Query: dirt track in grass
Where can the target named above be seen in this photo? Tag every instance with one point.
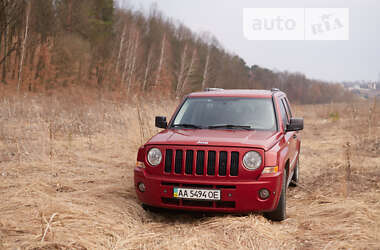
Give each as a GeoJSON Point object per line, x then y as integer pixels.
{"type": "Point", "coordinates": [66, 182]}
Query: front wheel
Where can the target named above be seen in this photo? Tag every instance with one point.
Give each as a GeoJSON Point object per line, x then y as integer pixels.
{"type": "Point", "coordinates": [279, 214]}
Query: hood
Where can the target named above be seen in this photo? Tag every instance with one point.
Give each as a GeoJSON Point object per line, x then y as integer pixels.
{"type": "Point", "coordinates": [217, 137]}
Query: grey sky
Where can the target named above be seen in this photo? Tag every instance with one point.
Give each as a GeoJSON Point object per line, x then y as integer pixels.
{"type": "Point", "coordinates": [356, 59]}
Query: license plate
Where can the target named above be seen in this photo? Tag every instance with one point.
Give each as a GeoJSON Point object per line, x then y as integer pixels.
{"type": "Point", "coordinates": [196, 194]}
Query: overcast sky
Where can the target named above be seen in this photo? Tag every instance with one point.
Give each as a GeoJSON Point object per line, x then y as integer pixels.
{"type": "Point", "coordinates": [355, 59]}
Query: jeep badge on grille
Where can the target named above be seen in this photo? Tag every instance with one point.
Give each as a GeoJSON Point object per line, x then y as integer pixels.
{"type": "Point", "coordinates": [202, 142]}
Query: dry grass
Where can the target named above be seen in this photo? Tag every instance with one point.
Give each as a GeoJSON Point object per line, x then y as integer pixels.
{"type": "Point", "coordinates": [66, 181]}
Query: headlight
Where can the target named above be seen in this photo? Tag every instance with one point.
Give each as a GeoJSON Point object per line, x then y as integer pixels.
{"type": "Point", "coordinates": [154, 156]}
{"type": "Point", "coordinates": [252, 160]}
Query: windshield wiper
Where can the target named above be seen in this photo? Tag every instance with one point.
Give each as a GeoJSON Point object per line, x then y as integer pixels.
{"type": "Point", "coordinates": [186, 125]}
{"type": "Point", "coordinates": [247, 127]}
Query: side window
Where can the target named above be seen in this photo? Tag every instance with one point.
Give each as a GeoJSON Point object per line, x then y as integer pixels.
{"type": "Point", "coordinates": [288, 107]}
{"type": "Point", "coordinates": [284, 114]}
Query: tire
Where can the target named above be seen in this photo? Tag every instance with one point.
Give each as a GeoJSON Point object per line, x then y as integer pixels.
{"type": "Point", "coordinates": [296, 173]}
{"type": "Point", "coordinates": [279, 214]}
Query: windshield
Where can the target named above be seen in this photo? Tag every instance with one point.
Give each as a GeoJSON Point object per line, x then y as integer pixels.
{"type": "Point", "coordinates": [226, 113]}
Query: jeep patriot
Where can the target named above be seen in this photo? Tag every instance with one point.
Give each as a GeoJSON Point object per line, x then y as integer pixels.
{"type": "Point", "coordinates": [233, 151]}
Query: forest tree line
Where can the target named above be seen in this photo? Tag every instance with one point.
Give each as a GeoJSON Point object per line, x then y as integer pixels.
{"type": "Point", "coordinates": [47, 44]}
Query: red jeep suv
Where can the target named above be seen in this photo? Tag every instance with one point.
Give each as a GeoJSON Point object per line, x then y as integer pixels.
{"type": "Point", "coordinates": [223, 151]}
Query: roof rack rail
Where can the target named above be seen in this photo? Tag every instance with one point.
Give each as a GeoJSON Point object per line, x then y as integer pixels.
{"type": "Point", "coordinates": [213, 89]}
{"type": "Point", "coordinates": [274, 89]}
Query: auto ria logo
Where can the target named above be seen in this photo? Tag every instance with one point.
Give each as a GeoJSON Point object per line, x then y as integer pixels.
{"type": "Point", "coordinates": [296, 23]}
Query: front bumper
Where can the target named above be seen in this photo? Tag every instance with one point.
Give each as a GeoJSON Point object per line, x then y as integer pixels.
{"type": "Point", "coordinates": [236, 197]}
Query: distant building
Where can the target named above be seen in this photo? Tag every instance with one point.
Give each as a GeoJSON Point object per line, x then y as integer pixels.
{"type": "Point", "coordinates": [340, 85]}
{"type": "Point", "coordinates": [372, 85]}
{"type": "Point", "coordinates": [355, 88]}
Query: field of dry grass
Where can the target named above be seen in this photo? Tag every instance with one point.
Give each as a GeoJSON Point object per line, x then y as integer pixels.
{"type": "Point", "coordinates": [66, 181]}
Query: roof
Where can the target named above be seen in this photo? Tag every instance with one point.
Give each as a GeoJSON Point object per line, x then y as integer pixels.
{"type": "Point", "coordinates": [235, 93]}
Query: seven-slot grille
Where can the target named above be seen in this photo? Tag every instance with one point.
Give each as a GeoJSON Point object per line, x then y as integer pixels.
{"type": "Point", "coordinates": [202, 162]}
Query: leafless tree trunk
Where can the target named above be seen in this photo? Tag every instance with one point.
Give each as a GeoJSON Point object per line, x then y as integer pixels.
{"type": "Point", "coordinates": [126, 64]}
{"type": "Point", "coordinates": [69, 16]}
{"type": "Point", "coordinates": [6, 31]}
{"type": "Point", "coordinates": [5, 57]}
{"type": "Point", "coordinates": [121, 48]}
{"type": "Point", "coordinates": [190, 71]}
{"type": "Point", "coordinates": [23, 46]}
{"type": "Point", "coordinates": [16, 60]}
{"type": "Point", "coordinates": [147, 68]}
{"type": "Point", "coordinates": [134, 56]}
{"type": "Point", "coordinates": [205, 73]}
{"type": "Point", "coordinates": [161, 61]}
{"type": "Point", "coordinates": [181, 71]}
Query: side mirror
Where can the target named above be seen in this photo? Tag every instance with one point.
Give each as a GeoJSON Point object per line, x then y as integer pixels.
{"type": "Point", "coordinates": [295, 124]}
{"type": "Point", "coordinates": [161, 122]}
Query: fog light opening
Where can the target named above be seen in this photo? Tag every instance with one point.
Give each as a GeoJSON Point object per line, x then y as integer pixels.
{"type": "Point", "coordinates": [264, 193]}
{"type": "Point", "coordinates": [141, 187]}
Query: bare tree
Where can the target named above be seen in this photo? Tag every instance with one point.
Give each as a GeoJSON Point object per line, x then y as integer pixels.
{"type": "Point", "coordinates": [147, 68]}
{"type": "Point", "coordinates": [6, 31]}
{"type": "Point", "coordinates": [134, 57]}
{"type": "Point", "coordinates": [182, 69]}
{"type": "Point", "coordinates": [10, 11]}
{"type": "Point", "coordinates": [70, 15]}
{"type": "Point", "coordinates": [205, 72]}
{"type": "Point", "coordinates": [162, 55]}
{"type": "Point", "coordinates": [190, 71]}
{"type": "Point", "coordinates": [126, 63]}
{"type": "Point", "coordinates": [121, 47]}
{"type": "Point", "coordinates": [23, 46]}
